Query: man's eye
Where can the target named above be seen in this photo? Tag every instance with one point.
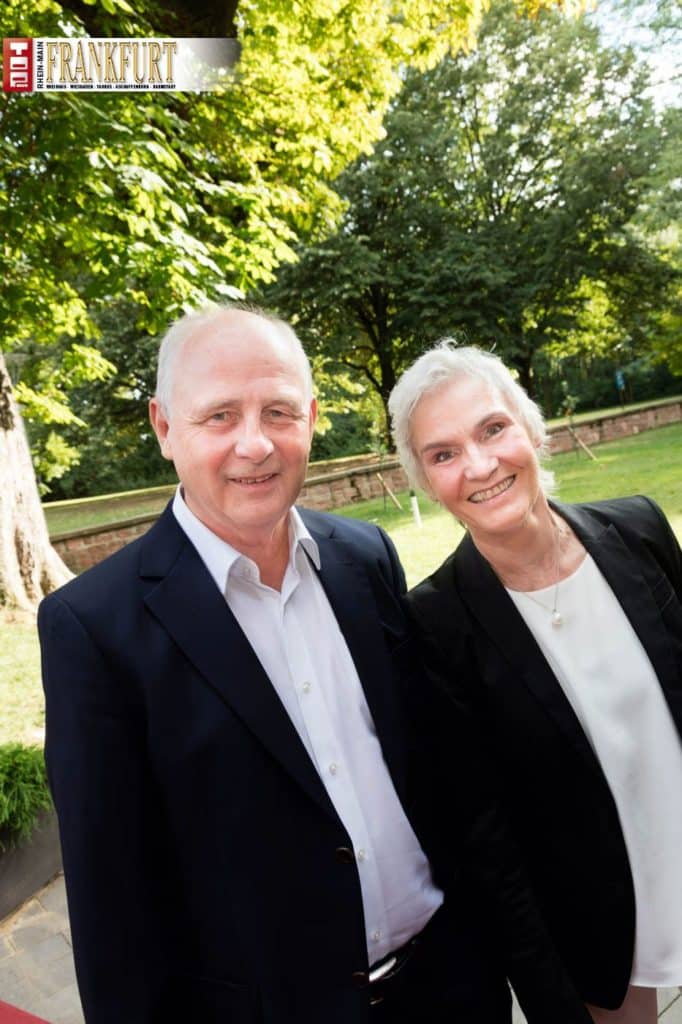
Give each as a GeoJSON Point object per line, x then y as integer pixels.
{"type": "Point", "coordinates": [218, 417]}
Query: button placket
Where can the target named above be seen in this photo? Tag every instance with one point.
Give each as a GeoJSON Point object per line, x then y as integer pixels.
{"type": "Point", "coordinates": [311, 700]}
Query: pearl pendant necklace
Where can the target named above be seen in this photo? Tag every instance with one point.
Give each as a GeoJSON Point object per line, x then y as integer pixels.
{"type": "Point", "coordinates": [557, 618]}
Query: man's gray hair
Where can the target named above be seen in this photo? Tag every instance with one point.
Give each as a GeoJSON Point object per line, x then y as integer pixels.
{"type": "Point", "coordinates": [197, 321]}
{"type": "Point", "coordinates": [448, 361]}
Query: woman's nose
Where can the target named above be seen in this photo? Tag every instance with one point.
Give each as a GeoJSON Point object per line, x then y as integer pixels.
{"type": "Point", "coordinates": [479, 464]}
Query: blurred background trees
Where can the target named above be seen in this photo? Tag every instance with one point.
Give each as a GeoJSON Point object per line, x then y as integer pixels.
{"type": "Point", "coordinates": [381, 175]}
{"type": "Point", "coordinates": [525, 198]}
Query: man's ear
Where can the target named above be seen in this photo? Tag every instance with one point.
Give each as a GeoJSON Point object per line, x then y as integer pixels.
{"type": "Point", "coordinates": [313, 414]}
{"type": "Point", "coordinates": [159, 422]}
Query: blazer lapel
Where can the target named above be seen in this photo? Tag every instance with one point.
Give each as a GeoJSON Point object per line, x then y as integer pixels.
{"type": "Point", "coordinates": [362, 624]}
{"type": "Point", "coordinates": [624, 572]}
{"type": "Point", "coordinates": [190, 607]}
{"type": "Point", "coordinates": [496, 613]}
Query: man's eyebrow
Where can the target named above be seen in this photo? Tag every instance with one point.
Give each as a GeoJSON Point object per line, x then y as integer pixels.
{"type": "Point", "coordinates": [235, 403]}
{"type": "Point", "coordinates": [214, 405]}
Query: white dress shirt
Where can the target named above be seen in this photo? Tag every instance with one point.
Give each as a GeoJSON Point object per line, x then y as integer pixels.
{"type": "Point", "coordinates": [606, 675]}
{"type": "Point", "coordinates": [297, 640]}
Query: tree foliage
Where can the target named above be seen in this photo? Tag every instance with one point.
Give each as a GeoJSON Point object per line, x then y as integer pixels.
{"type": "Point", "coordinates": [170, 198]}
{"type": "Point", "coordinates": [173, 199]}
{"type": "Point", "coordinates": [498, 206]}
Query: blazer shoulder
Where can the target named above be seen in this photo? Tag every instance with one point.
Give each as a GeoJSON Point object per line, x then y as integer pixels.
{"type": "Point", "coordinates": [628, 513]}
{"type": "Point", "coordinates": [426, 600]}
{"type": "Point", "coordinates": [638, 518]}
{"type": "Point", "coordinates": [365, 540]}
{"type": "Point", "coordinates": [642, 525]}
{"type": "Point", "coordinates": [111, 580]}
{"type": "Point", "coordinates": [341, 526]}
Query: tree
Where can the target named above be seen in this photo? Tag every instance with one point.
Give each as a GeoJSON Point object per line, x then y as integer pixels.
{"type": "Point", "coordinates": [29, 567]}
{"type": "Point", "coordinates": [506, 183]}
{"type": "Point", "coordinates": [173, 199]}
{"type": "Point", "coordinates": [659, 220]}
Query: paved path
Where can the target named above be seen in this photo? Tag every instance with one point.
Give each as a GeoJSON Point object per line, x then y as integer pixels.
{"type": "Point", "coordinates": [36, 962]}
{"type": "Point", "coordinates": [36, 965]}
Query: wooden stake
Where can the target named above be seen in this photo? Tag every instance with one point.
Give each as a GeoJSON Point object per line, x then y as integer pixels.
{"type": "Point", "coordinates": [582, 444]}
{"type": "Point", "coordinates": [389, 492]}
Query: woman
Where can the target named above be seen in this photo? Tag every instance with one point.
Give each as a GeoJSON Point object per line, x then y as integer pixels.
{"type": "Point", "coordinates": [560, 628]}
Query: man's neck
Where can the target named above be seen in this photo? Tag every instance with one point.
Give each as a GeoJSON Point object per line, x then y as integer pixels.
{"type": "Point", "coordinates": [273, 559]}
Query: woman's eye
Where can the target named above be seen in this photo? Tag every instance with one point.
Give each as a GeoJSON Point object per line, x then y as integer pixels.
{"type": "Point", "coordinates": [442, 456]}
{"type": "Point", "coordinates": [493, 428]}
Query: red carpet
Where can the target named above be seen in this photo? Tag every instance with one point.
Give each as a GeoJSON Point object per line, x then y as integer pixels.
{"type": "Point", "coordinates": [10, 1015]}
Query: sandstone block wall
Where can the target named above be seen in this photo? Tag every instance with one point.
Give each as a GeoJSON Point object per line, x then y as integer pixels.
{"type": "Point", "coordinates": [340, 482]}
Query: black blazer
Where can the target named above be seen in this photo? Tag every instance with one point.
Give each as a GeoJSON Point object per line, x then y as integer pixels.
{"type": "Point", "coordinates": [481, 654]}
{"type": "Point", "coordinates": [208, 874]}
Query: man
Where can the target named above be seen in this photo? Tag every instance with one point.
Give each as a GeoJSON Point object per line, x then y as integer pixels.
{"type": "Point", "coordinates": [226, 738]}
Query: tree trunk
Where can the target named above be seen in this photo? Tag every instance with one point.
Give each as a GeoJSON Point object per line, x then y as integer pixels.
{"type": "Point", "coordinates": [29, 566]}
{"type": "Point", "coordinates": [523, 363]}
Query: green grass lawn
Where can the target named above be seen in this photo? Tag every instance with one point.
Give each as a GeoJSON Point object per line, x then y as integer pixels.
{"type": "Point", "coordinates": [649, 463]}
{"type": "Point", "coordinates": [21, 695]}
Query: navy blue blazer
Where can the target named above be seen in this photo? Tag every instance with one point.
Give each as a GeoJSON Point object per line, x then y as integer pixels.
{"type": "Point", "coordinates": [487, 669]}
{"type": "Point", "coordinates": [207, 872]}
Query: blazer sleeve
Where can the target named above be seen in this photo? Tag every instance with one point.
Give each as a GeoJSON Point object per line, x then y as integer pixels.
{"type": "Point", "coordinates": [397, 573]}
{"type": "Point", "coordinates": [476, 825]}
{"type": "Point", "coordinates": [101, 785]}
{"type": "Point", "coordinates": [664, 544]}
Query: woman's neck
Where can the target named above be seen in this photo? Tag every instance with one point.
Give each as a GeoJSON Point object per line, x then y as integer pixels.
{"type": "Point", "coordinates": [536, 554]}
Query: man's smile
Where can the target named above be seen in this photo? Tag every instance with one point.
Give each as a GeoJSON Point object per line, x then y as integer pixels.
{"type": "Point", "coordinates": [252, 480]}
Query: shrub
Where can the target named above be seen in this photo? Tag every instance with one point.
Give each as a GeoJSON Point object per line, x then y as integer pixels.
{"type": "Point", "coordinates": [23, 791]}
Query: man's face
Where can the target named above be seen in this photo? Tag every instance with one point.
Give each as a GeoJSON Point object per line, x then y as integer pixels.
{"type": "Point", "coordinates": [239, 427]}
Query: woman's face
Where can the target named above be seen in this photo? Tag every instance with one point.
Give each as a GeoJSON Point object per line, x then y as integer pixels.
{"type": "Point", "coordinates": [476, 456]}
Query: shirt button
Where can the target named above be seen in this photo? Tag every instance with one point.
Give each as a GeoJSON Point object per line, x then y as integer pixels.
{"type": "Point", "coordinates": [333, 768]}
{"type": "Point", "coordinates": [361, 855]}
{"type": "Point", "coordinates": [376, 935]}
{"type": "Point", "coordinates": [306, 687]}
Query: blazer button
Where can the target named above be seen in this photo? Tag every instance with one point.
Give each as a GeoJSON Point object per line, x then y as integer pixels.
{"type": "Point", "coordinates": [360, 979]}
{"type": "Point", "coordinates": [344, 855]}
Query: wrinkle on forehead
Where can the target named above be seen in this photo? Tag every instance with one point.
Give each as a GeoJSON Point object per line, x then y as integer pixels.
{"type": "Point", "coordinates": [260, 348]}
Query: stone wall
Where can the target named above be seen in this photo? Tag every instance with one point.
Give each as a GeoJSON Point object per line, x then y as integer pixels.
{"type": "Point", "coordinates": [340, 482]}
{"type": "Point", "coordinates": [615, 426]}
{"type": "Point", "coordinates": [83, 548]}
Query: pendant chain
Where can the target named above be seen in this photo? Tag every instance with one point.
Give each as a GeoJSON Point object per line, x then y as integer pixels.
{"type": "Point", "coordinates": [557, 617]}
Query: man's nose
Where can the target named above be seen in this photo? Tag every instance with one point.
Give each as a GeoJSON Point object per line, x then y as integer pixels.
{"type": "Point", "coordinates": [252, 442]}
{"type": "Point", "coordinates": [479, 464]}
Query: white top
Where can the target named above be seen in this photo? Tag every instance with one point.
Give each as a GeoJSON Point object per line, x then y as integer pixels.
{"type": "Point", "coordinates": [610, 682]}
{"type": "Point", "coordinates": [296, 638]}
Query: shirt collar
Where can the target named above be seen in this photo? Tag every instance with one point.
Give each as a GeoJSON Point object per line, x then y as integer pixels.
{"type": "Point", "coordinates": [219, 557]}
